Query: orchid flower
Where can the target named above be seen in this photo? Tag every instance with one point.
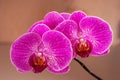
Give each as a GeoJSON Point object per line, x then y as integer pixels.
{"type": "Point", "coordinates": [57, 39]}
{"type": "Point", "coordinates": [89, 35]}
{"type": "Point", "coordinates": [40, 49]}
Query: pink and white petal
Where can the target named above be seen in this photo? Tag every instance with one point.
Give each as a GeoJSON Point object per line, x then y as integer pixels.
{"type": "Point", "coordinates": [63, 71]}
{"type": "Point", "coordinates": [65, 15]}
{"type": "Point", "coordinates": [40, 29]}
{"type": "Point", "coordinates": [52, 19]}
{"type": "Point", "coordinates": [98, 32]}
{"type": "Point", "coordinates": [36, 23]}
{"type": "Point", "coordinates": [58, 49]}
{"type": "Point", "coordinates": [22, 49]}
{"type": "Point", "coordinates": [77, 16]}
{"type": "Point", "coordinates": [68, 28]}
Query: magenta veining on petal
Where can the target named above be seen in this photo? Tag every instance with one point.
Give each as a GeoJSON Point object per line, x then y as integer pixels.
{"type": "Point", "coordinates": [62, 36]}
{"type": "Point", "coordinates": [32, 52]}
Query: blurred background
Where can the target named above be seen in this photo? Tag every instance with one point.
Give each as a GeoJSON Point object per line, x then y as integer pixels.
{"type": "Point", "coordinates": [16, 16]}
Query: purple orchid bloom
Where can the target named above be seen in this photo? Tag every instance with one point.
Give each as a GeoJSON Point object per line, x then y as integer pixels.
{"type": "Point", "coordinates": [42, 48]}
{"type": "Point", "coordinates": [89, 35]}
{"type": "Point", "coordinates": [53, 42]}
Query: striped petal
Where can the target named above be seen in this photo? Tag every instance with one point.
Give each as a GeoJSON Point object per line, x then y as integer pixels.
{"type": "Point", "coordinates": [22, 49]}
{"type": "Point", "coordinates": [40, 29]}
{"type": "Point", "coordinates": [98, 32]}
{"type": "Point", "coordinates": [68, 28]}
{"type": "Point", "coordinates": [65, 15]}
{"type": "Point", "coordinates": [77, 16]}
{"type": "Point", "coordinates": [39, 22]}
{"type": "Point", "coordinates": [63, 71]}
{"type": "Point", "coordinates": [58, 50]}
{"type": "Point", "coordinates": [52, 19]}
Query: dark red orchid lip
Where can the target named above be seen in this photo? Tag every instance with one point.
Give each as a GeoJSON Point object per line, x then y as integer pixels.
{"type": "Point", "coordinates": [83, 48]}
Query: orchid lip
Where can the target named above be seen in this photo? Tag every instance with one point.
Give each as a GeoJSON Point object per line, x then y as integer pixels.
{"type": "Point", "coordinates": [38, 62]}
{"type": "Point", "coordinates": [83, 48]}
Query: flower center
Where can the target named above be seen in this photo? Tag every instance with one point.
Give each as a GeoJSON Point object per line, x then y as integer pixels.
{"type": "Point", "coordinates": [38, 62]}
{"type": "Point", "coordinates": [83, 48]}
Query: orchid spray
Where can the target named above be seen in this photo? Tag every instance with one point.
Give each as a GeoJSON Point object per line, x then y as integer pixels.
{"type": "Point", "coordinates": [52, 43]}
